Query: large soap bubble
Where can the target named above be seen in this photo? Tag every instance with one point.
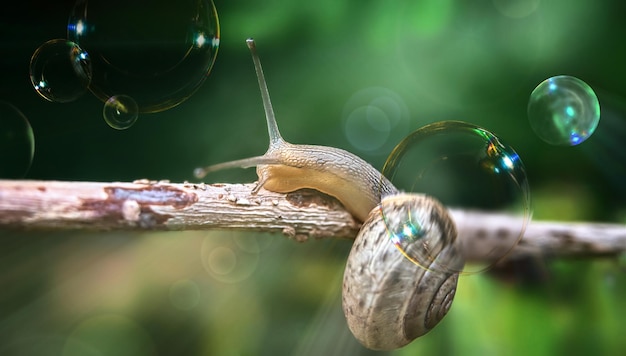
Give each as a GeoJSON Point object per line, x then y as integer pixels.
{"type": "Point", "coordinates": [465, 167]}
{"type": "Point", "coordinates": [157, 52]}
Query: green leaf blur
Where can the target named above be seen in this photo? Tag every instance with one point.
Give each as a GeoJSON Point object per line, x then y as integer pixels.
{"type": "Point", "coordinates": [229, 293]}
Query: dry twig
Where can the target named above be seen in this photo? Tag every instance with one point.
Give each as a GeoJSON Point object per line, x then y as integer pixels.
{"type": "Point", "coordinates": [148, 205]}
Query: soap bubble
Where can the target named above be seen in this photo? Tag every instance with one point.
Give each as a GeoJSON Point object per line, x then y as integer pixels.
{"type": "Point", "coordinates": [120, 112]}
{"type": "Point", "coordinates": [157, 52]}
{"type": "Point", "coordinates": [468, 169]}
{"type": "Point", "coordinates": [17, 142]}
{"type": "Point", "coordinates": [563, 110]}
{"type": "Point", "coordinates": [60, 71]}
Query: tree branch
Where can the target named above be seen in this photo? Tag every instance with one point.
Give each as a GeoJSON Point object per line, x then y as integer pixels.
{"type": "Point", "coordinates": [149, 205]}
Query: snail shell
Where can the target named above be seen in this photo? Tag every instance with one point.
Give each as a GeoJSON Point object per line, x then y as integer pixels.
{"type": "Point", "coordinates": [387, 299]}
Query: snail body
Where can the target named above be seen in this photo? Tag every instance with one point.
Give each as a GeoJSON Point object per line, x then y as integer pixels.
{"type": "Point", "coordinates": [287, 167]}
{"type": "Point", "coordinates": [388, 300]}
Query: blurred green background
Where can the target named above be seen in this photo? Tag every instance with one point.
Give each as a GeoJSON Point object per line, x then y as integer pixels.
{"type": "Point", "coordinates": [227, 293]}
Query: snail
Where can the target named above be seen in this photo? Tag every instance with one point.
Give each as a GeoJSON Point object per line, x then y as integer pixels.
{"type": "Point", "coordinates": [388, 300]}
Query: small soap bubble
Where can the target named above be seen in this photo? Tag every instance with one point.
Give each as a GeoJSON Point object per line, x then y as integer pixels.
{"type": "Point", "coordinates": [157, 52]}
{"type": "Point", "coordinates": [563, 110]}
{"type": "Point", "coordinates": [466, 168]}
{"type": "Point", "coordinates": [60, 71]}
{"type": "Point", "coordinates": [120, 112]}
{"type": "Point", "coordinates": [17, 142]}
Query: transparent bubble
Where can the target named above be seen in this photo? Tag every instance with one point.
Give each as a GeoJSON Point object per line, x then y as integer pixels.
{"type": "Point", "coordinates": [157, 52]}
{"type": "Point", "coordinates": [17, 142]}
{"type": "Point", "coordinates": [120, 112]}
{"type": "Point", "coordinates": [563, 110]}
{"type": "Point", "coordinates": [60, 71]}
{"type": "Point", "coordinates": [469, 170]}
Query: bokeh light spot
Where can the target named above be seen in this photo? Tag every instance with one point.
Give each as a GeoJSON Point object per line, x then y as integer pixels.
{"type": "Point", "coordinates": [225, 260]}
{"type": "Point", "coordinates": [222, 260]}
{"type": "Point", "coordinates": [374, 119]}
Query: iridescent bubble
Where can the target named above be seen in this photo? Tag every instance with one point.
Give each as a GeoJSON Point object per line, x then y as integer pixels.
{"type": "Point", "coordinates": [17, 142]}
{"type": "Point", "coordinates": [563, 110]}
{"type": "Point", "coordinates": [60, 71]}
{"type": "Point", "coordinates": [159, 52]}
{"type": "Point", "coordinates": [120, 112]}
{"type": "Point", "coordinates": [469, 170]}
